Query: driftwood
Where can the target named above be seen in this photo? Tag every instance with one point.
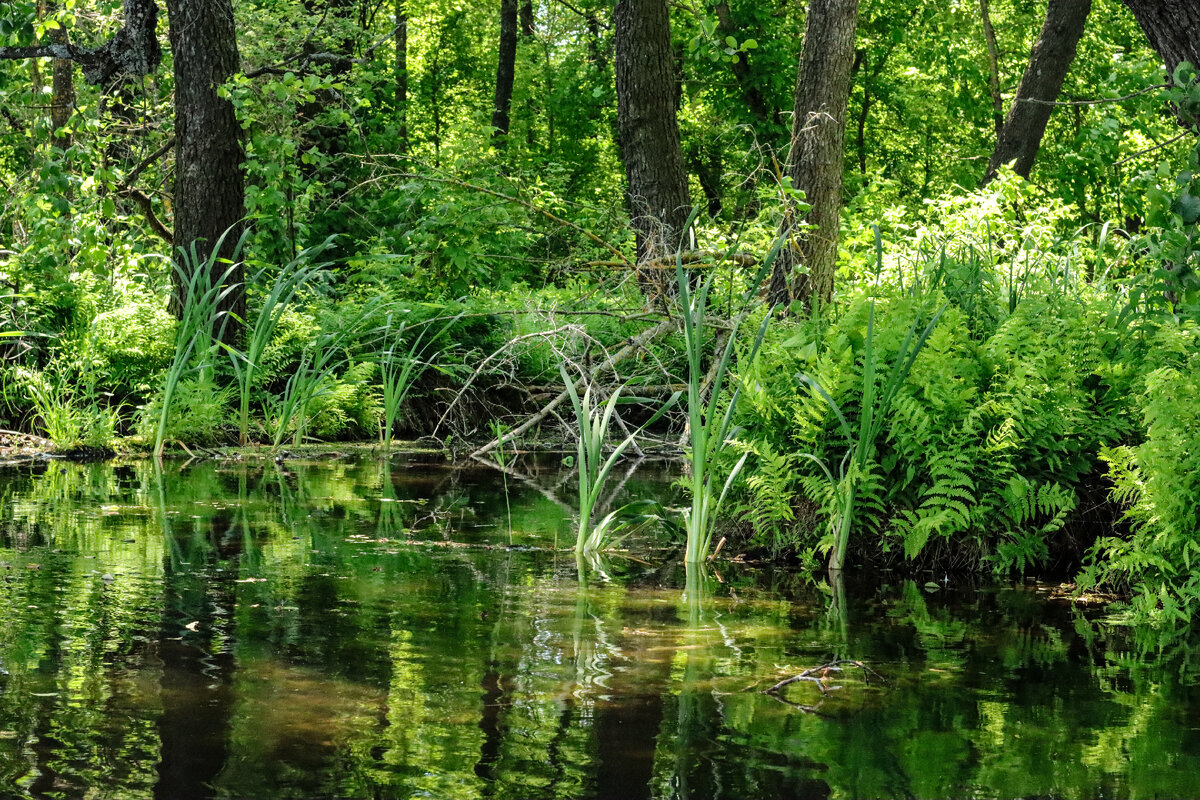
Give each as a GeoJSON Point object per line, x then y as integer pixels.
{"type": "Point", "coordinates": [817, 675]}
{"type": "Point", "coordinates": [632, 346]}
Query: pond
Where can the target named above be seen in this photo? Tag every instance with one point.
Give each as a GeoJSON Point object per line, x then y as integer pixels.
{"type": "Point", "coordinates": [404, 628]}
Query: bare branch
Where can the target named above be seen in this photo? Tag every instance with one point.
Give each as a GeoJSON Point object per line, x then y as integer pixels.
{"type": "Point", "coordinates": [133, 51]}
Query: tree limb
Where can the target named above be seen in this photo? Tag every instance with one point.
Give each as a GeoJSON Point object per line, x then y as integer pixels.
{"type": "Point", "coordinates": [631, 347]}
{"type": "Point", "coordinates": [143, 200]}
{"type": "Point", "coordinates": [132, 52]}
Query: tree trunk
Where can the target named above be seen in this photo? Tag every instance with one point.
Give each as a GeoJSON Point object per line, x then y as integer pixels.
{"type": "Point", "coordinates": [756, 101]}
{"type": "Point", "coordinates": [657, 188]}
{"type": "Point", "coordinates": [817, 150]}
{"type": "Point", "coordinates": [527, 18]}
{"type": "Point", "coordinates": [62, 98]}
{"type": "Point", "coordinates": [505, 71]}
{"type": "Point", "coordinates": [402, 72]}
{"type": "Point", "coordinates": [1049, 63]}
{"type": "Point", "coordinates": [1173, 28]}
{"type": "Point", "coordinates": [209, 179]}
{"type": "Point", "coordinates": [993, 55]}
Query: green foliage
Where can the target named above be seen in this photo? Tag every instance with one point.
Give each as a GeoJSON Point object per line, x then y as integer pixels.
{"type": "Point", "coordinates": [1159, 482]}
{"type": "Point", "coordinates": [990, 434]}
{"type": "Point", "coordinates": [67, 406]}
{"type": "Point", "coordinates": [711, 428]}
{"type": "Point", "coordinates": [131, 344]}
{"type": "Point", "coordinates": [199, 412]}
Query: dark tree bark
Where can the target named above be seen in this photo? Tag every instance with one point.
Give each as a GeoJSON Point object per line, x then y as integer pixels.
{"type": "Point", "coordinates": [817, 150]}
{"type": "Point", "coordinates": [505, 71]}
{"type": "Point", "coordinates": [647, 126]}
{"type": "Point", "coordinates": [402, 72]}
{"type": "Point", "coordinates": [209, 177]}
{"type": "Point", "coordinates": [1173, 28]}
{"type": "Point", "coordinates": [1049, 62]}
{"type": "Point", "coordinates": [527, 18]}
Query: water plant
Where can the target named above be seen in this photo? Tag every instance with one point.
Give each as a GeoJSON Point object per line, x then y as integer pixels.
{"type": "Point", "coordinates": [709, 430]}
{"type": "Point", "coordinates": [246, 363]}
{"type": "Point", "coordinates": [199, 321]}
{"type": "Point", "coordinates": [592, 423]}
{"type": "Point", "coordinates": [400, 366]}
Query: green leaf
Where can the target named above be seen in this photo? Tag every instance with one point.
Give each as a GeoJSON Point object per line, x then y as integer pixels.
{"type": "Point", "coordinates": [732, 42]}
{"type": "Point", "coordinates": [1188, 208]}
{"type": "Point", "coordinates": [749, 44]}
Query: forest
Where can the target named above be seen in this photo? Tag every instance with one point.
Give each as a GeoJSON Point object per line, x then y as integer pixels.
{"type": "Point", "coordinates": [911, 284]}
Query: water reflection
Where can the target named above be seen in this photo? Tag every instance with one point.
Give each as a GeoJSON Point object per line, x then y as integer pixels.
{"type": "Point", "coordinates": [367, 630]}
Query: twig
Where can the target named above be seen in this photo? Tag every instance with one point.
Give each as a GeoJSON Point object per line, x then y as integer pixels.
{"type": "Point", "coordinates": [147, 161]}
{"type": "Point", "coordinates": [479, 369]}
{"type": "Point", "coordinates": [668, 262]}
{"type": "Point", "coordinates": [634, 344]}
{"type": "Point", "coordinates": [1101, 101]}
{"type": "Point", "coordinates": [811, 675]}
{"type": "Point", "coordinates": [1151, 149]}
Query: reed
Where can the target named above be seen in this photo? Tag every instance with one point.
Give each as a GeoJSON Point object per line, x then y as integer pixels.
{"type": "Point", "coordinates": [246, 364]}
{"type": "Point", "coordinates": [592, 423]}
{"type": "Point", "coordinates": [199, 322]}
{"type": "Point", "coordinates": [709, 430]}
{"type": "Point", "coordinates": [400, 367]}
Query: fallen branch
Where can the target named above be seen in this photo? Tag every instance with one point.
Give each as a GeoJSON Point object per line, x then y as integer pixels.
{"type": "Point", "coordinates": [479, 369]}
{"type": "Point", "coordinates": [632, 346]}
{"type": "Point", "coordinates": [688, 257]}
{"type": "Point", "coordinates": [817, 675]}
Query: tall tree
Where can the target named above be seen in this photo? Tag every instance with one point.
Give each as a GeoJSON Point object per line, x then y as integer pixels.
{"type": "Point", "coordinates": [1021, 135]}
{"type": "Point", "coordinates": [817, 150]}
{"type": "Point", "coordinates": [209, 177]}
{"type": "Point", "coordinates": [1173, 28]}
{"type": "Point", "coordinates": [505, 70]}
{"type": "Point", "coordinates": [647, 126]}
{"type": "Point", "coordinates": [62, 98]}
{"type": "Point", "coordinates": [402, 72]}
{"type": "Point", "coordinates": [527, 18]}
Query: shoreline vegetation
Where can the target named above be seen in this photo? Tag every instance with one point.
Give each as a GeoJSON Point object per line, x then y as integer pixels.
{"type": "Point", "coordinates": [600, 229]}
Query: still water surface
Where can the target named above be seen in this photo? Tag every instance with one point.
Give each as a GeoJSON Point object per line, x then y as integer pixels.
{"type": "Point", "coordinates": [397, 629]}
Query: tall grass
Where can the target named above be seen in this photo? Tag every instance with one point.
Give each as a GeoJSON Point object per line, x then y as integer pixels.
{"type": "Point", "coordinates": [316, 376]}
{"type": "Point", "coordinates": [246, 363]}
{"type": "Point", "coordinates": [70, 411]}
{"type": "Point", "coordinates": [709, 430]}
{"type": "Point", "coordinates": [199, 323]}
{"type": "Point", "coordinates": [592, 425]}
{"type": "Point", "coordinates": [400, 366]}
